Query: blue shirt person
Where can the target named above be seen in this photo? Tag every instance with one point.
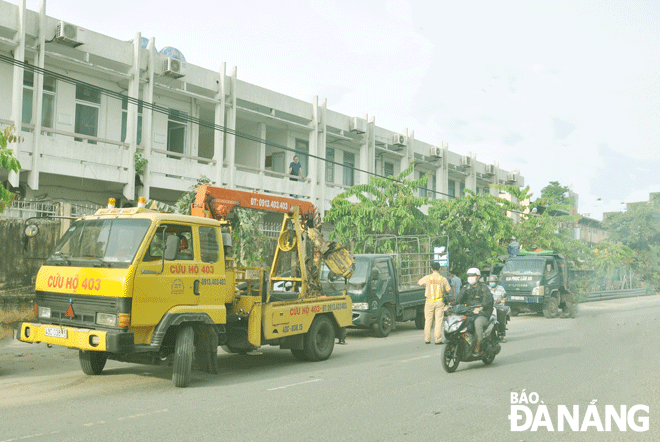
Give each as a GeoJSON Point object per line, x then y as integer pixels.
{"type": "Point", "coordinates": [455, 283]}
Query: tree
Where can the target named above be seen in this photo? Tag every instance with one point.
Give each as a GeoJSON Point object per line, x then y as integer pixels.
{"type": "Point", "coordinates": [554, 194]}
{"type": "Point", "coordinates": [8, 162]}
{"type": "Point", "coordinates": [384, 206]}
{"type": "Point", "coordinates": [477, 227]}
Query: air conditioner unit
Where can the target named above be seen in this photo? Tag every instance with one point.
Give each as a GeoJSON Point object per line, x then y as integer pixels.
{"type": "Point", "coordinates": [358, 125]}
{"type": "Point", "coordinates": [436, 152]}
{"type": "Point", "coordinates": [399, 141]}
{"type": "Point", "coordinates": [490, 170]}
{"type": "Point", "coordinates": [511, 177]}
{"type": "Point", "coordinates": [466, 161]}
{"type": "Point", "coordinates": [68, 34]}
{"type": "Point", "coordinates": [172, 67]}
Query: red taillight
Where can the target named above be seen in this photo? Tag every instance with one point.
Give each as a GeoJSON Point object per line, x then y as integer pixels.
{"type": "Point", "coordinates": [36, 310]}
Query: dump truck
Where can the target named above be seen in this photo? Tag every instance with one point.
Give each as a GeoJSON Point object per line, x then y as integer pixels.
{"type": "Point", "coordinates": [137, 285]}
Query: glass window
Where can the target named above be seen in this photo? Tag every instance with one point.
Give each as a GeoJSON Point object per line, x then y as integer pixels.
{"type": "Point", "coordinates": [177, 128]}
{"type": "Point", "coordinates": [48, 102]}
{"type": "Point", "coordinates": [462, 188]}
{"type": "Point", "coordinates": [88, 102]}
{"type": "Point", "coordinates": [349, 169]}
{"type": "Point", "coordinates": [422, 190]}
{"type": "Point", "coordinates": [329, 166]}
{"type": "Point", "coordinates": [302, 150]}
{"type": "Point", "coordinates": [208, 244]}
{"type": "Point", "coordinates": [451, 188]}
{"type": "Point", "coordinates": [389, 169]}
{"type": "Point", "coordinates": [124, 119]}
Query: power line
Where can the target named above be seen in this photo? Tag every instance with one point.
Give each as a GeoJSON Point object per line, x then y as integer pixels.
{"type": "Point", "coordinates": [182, 116]}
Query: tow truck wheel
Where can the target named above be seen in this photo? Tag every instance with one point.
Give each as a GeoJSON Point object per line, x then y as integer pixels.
{"type": "Point", "coordinates": [419, 319]}
{"type": "Point", "coordinates": [320, 339]}
{"type": "Point", "coordinates": [551, 308]}
{"type": "Point", "coordinates": [92, 362]}
{"type": "Point", "coordinates": [385, 323]}
{"type": "Point", "coordinates": [184, 349]}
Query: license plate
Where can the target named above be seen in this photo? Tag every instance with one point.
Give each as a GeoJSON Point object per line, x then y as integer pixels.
{"type": "Point", "coordinates": [517, 298]}
{"type": "Point", "coordinates": [55, 332]}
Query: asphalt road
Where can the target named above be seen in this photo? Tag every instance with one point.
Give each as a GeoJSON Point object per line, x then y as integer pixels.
{"type": "Point", "coordinates": [369, 390]}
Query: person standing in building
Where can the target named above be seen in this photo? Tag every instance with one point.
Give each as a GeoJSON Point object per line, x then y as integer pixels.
{"type": "Point", "coordinates": [455, 283]}
{"type": "Point", "coordinates": [437, 287]}
{"type": "Point", "coordinates": [295, 170]}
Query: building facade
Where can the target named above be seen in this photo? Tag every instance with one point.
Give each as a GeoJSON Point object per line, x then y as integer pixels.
{"type": "Point", "coordinates": [92, 109]}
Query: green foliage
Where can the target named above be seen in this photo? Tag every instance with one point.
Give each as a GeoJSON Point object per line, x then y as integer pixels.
{"type": "Point", "coordinates": [248, 241]}
{"type": "Point", "coordinates": [555, 194]}
{"type": "Point", "coordinates": [140, 162]}
{"type": "Point", "coordinates": [477, 226]}
{"type": "Point", "coordinates": [384, 206]}
{"type": "Point", "coordinates": [8, 162]}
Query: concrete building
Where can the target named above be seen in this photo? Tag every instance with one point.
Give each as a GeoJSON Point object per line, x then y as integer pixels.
{"type": "Point", "coordinates": [88, 105]}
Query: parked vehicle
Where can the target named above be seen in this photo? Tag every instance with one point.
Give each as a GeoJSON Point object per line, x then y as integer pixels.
{"type": "Point", "coordinates": [136, 285]}
{"type": "Point", "coordinates": [538, 282]}
{"type": "Point", "coordinates": [384, 287]}
{"type": "Point", "coordinates": [461, 340]}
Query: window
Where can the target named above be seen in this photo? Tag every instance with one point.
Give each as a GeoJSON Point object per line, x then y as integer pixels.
{"type": "Point", "coordinates": [124, 119]}
{"type": "Point", "coordinates": [462, 188]}
{"type": "Point", "coordinates": [177, 131]}
{"type": "Point", "coordinates": [88, 102]}
{"type": "Point", "coordinates": [48, 105]}
{"type": "Point", "coordinates": [302, 150]}
{"type": "Point", "coordinates": [208, 244]}
{"type": "Point", "coordinates": [349, 169]}
{"type": "Point", "coordinates": [330, 166]}
{"type": "Point", "coordinates": [422, 190]}
{"type": "Point", "coordinates": [433, 186]}
{"type": "Point", "coordinates": [451, 188]}
{"type": "Point", "coordinates": [389, 169]}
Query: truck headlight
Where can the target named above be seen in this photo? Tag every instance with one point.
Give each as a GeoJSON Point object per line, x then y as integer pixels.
{"type": "Point", "coordinates": [44, 312]}
{"type": "Point", "coordinates": [538, 291]}
{"type": "Point", "coordinates": [360, 306]}
{"type": "Point", "coordinates": [106, 319]}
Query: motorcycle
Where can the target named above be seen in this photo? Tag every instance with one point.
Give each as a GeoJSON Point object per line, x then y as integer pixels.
{"type": "Point", "coordinates": [461, 338]}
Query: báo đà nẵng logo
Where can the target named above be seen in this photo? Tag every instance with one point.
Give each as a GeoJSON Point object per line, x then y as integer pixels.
{"type": "Point", "coordinates": [529, 413]}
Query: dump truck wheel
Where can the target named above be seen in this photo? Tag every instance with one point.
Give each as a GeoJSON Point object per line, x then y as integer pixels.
{"type": "Point", "coordinates": [299, 354]}
{"type": "Point", "coordinates": [320, 339]}
{"type": "Point", "coordinates": [419, 319]}
{"type": "Point", "coordinates": [184, 349]}
{"type": "Point", "coordinates": [551, 308]}
{"type": "Point", "coordinates": [92, 362]}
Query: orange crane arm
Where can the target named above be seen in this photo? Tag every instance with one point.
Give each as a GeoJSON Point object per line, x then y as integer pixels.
{"type": "Point", "coordinates": [217, 202]}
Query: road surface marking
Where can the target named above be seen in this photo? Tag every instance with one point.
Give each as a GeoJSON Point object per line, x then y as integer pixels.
{"type": "Point", "coordinates": [421, 357]}
{"type": "Point", "coordinates": [293, 385]}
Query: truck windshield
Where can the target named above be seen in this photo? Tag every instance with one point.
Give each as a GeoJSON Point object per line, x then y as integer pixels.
{"type": "Point", "coordinates": [359, 275]}
{"type": "Point", "coordinates": [524, 266]}
{"type": "Point", "coordinates": [100, 243]}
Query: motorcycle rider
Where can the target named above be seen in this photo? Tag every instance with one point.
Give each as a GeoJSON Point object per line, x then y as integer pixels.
{"type": "Point", "coordinates": [476, 293]}
{"type": "Point", "coordinates": [499, 297]}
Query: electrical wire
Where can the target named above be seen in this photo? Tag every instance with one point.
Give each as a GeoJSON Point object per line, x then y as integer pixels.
{"type": "Point", "coordinates": [182, 116]}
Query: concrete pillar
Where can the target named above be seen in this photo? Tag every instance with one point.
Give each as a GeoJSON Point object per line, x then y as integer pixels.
{"type": "Point", "coordinates": [218, 135]}
{"type": "Point", "coordinates": [442, 173]}
{"type": "Point", "coordinates": [471, 178]}
{"type": "Point", "coordinates": [17, 88]}
{"type": "Point", "coordinates": [132, 117]}
{"type": "Point", "coordinates": [366, 160]}
{"type": "Point", "coordinates": [405, 159]}
{"type": "Point", "coordinates": [314, 172]}
{"type": "Point", "coordinates": [231, 138]}
{"type": "Point", "coordinates": [322, 151]}
{"type": "Point", "coordinates": [33, 175]}
{"type": "Point", "coordinates": [148, 117]}
{"type": "Point", "coordinates": [262, 134]}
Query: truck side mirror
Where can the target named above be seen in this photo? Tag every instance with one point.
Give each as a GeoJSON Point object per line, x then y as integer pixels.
{"type": "Point", "coordinates": [171, 247]}
{"type": "Point", "coordinates": [30, 232]}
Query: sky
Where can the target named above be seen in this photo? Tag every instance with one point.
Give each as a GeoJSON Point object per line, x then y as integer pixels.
{"type": "Point", "coordinates": [565, 91]}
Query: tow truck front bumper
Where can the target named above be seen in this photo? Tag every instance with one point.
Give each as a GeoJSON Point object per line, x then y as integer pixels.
{"type": "Point", "coordinates": [73, 337]}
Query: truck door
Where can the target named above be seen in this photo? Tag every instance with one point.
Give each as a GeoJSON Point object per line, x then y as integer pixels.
{"type": "Point", "coordinates": [551, 275]}
{"type": "Point", "coordinates": [160, 285]}
{"type": "Point", "coordinates": [212, 283]}
{"type": "Point", "coordinates": [384, 287]}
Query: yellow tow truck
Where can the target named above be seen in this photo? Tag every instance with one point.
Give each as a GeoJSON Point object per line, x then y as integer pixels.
{"type": "Point", "coordinates": [137, 285]}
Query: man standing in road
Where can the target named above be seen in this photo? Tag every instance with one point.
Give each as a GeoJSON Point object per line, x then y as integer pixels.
{"type": "Point", "coordinates": [477, 294]}
{"type": "Point", "coordinates": [455, 283]}
{"type": "Point", "coordinates": [437, 287]}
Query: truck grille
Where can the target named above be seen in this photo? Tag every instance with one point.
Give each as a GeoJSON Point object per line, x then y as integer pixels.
{"type": "Point", "coordinates": [84, 308]}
